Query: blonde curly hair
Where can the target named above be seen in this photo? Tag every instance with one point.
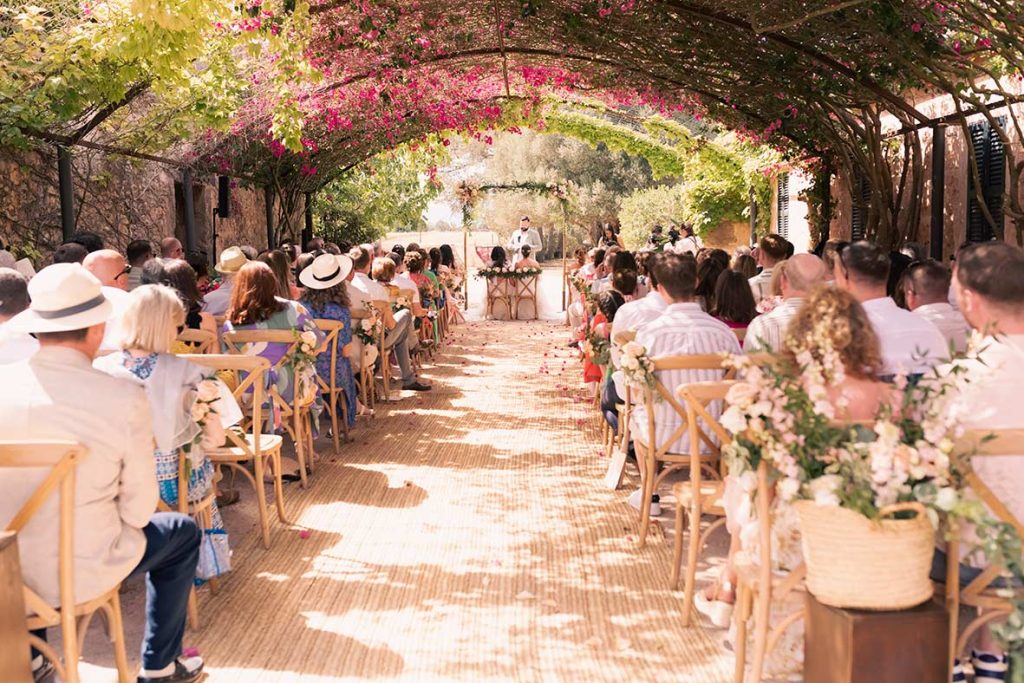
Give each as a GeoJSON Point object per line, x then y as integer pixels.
{"type": "Point", "coordinates": [832, 320]}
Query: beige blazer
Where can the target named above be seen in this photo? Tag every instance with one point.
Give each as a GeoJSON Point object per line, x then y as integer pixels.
{"type": "Point", "coordinates": [58, 395]}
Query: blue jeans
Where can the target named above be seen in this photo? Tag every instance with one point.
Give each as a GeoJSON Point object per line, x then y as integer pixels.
{"type": "Point", "coordinates": [169, 563]}
{"type": "Point", "coordinates": [967, 573]}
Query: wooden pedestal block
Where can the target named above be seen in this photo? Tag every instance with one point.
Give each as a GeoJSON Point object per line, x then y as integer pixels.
{"type": "Point", "coordinates": [855, 646]}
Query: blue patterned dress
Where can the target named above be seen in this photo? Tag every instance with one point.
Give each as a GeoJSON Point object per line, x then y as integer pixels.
{"type": "Point", "coordinates": [344, 377]}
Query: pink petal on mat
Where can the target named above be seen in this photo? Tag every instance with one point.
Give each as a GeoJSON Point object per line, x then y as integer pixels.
{"type": "Point", "coordinates": [305, 533]}
{"type": "Point", "coordinates": [190, 652]}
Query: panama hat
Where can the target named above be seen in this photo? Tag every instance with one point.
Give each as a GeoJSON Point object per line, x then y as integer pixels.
{"type": "Point", "coordinates": [231, 261]}
{"type": "Point", "coordinates": [325, 271]}
{"type": "Point", "coordinates": [65, 297]}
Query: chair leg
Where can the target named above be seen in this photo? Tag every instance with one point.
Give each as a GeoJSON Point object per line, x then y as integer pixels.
{"type": "Point", "coordinates": [116, 626]}
{"type": "Point", "coordinates": [741, 614]}
{"type": "Point", "coordinates": [645, 503]}
{"type": "Point", "coordinates": [193, 609]}
{"type": "Point", "coordinates": [677, 550]}
{"type": "Point", "coordinates": [762, 612]}
{"type": "Point", "coordinates": [261, 497]}
{"type": "Point", "coordinates": [691, 563]}
{"type": "Point", "coordinates": [275, 462]}
{"type": "Point", "coordinates": [300, 446]}
{"type": "Point", "coordinates": [307, 423]}
{"type": "Point", "coordinates": [334, 421]}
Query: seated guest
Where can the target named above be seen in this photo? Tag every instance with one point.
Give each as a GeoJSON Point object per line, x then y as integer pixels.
{"type": "Point", "coordinates": [771, 249]}
{"type": "Point", "coordinates": [90, 240]}
{"type": "Point", "coordinates": [734, 302]}
{"type": "Point", "coordinates": [279, 263]}
{"type": "Point", "coordinates": [708, 271]}
{"type": "Point", "coordinates": [600, 325]}
{"type": "Point", "coordinates": [527, 261]}
{"type": "Point", "coordinates": [988, 280]}
{"type": "Point", "coordinates": [110, 269]}
{"type": "Point", "coordinates": [230, 262]}
{"type": "Point", "coordinates": [401, 279]}
{"type": "Point", "coordinates": [910, 344]}
{"type": "Point", "coordinates": [14, 346]}
{"type": "Point", "coordinates": [801, 275]}
{"type": "Point", "coordinates": [498, 257]}
{"type": "Point", "coordinates": [633, 314]}
{"type": "Point", "coordinates": [70, 252]}
{"type": "Point", "coordinates": [137, 253]}
{"type": "Point", "coordinates": [179, 276]}
{"type": "Point", "coordinates": [200, 263]}
{"type": "Point", "coordinates": [683, 329]}
{"type": "Point", "coordinates": [326, 298]}
{"type": "Point", "coordinates": [745, 264]}
{"type": "Point", "coordinates": [61, 396]}
{"type": "Point", "coordinates": [147, 331]}
{"type": "Point", "coordinates": [170, 247]}
{"type": "Point", "coordinates": [399, 332]}
{"type": "Point", "coordinates": [829, 321]}
{"type": "Point", "coordinates": [925, 290]}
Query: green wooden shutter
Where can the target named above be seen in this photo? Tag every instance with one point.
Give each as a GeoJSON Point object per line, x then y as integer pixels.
{"type": "Point", "coordinates": [991, 158]}
{"type": "Point", "coordinates": [782, 205]}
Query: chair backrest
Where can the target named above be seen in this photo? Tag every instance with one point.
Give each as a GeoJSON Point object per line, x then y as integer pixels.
{"type": "Point", "coordinates": [527, 287]}
{"type": "Point", "coordinates": [409, 294]}
{"type": "Point", "coordinates": [697, 397]}
{"type": "Point", "coordinates": [61, 457]}
{"type": "Point", "coordinates": [331, 330]}
{"type": "Point", "coordinates": [199, 341]}
{"type": "Point", "coordinates": [660, 392]}
{"type": "Point", "coordinates": [984, 443]}
{"type": "Point", "coordinates": [249, 373]}
{"type": "Point", "coordinates": [238, 341]}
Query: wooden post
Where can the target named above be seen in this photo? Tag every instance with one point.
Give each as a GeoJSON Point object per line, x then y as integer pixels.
{"type": "Point", "coordinates": [465, 267]}
{"type": "Point", "coordinates": [67, 192]}
{"type": "Point", "coordinates": [825, 187]}
{"type": "Point", "coordinates": [307, 232]}
{"type": "Point", "coordinates": [753, 215]}
{"type": "Point", "coordinates": [938, 199]}
{"type": "Point", "coordinates": [190, 210]}
{"type": "Point", "coordinates": [268, 196]}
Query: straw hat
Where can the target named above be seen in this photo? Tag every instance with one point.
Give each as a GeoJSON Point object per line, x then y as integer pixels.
{"type": "Point", "coordinates": [231, 261]}
{"type": "Point", "coordinates": [326, 271]}
{"type": "Point", "coordinates": [65, 297]}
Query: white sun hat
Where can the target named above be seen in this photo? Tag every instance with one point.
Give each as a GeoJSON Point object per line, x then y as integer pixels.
{"type": "Point", "coordinates": [231, 261]}
{"type": "Point", "coordinates": [65, 297]}
{"type": "Point", "coordinates": [325, 271]}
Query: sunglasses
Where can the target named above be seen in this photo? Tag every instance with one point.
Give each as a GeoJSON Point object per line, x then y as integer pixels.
{"type": "Point", "coordinates": [126, 271]}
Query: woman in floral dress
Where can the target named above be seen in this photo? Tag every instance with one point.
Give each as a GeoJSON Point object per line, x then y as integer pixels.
{"type": "Point", "coordinates": [190, 408]}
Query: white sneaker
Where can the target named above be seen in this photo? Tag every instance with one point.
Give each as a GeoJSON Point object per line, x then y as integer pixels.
{"type": "Point", "coordinates": [636, 496]}
{"type": "Point", "coordinates": [719, 612]}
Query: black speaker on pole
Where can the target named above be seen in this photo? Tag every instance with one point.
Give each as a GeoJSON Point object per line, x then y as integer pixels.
{"type": "Point", "coordinates": [224, 196]}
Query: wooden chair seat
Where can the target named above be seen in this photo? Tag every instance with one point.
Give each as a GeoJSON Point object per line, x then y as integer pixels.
{"type": "Point", "coordinates": [711, 493]}
{"type": "Point", "coordinates": [268, 443]}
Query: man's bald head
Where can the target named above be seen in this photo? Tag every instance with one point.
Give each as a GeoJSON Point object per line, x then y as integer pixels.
{"type": "Point", "coordinates": [109, 268]}
{"type": "Point", "coordinates": [803, 273]}
{"type": "Point", "coordinates": [170, 247]}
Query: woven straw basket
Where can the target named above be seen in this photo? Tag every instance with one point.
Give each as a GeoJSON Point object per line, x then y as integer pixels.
{"type": "Point", "coordinates": [858, 563]}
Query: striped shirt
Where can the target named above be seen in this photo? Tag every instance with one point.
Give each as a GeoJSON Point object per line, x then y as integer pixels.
{"type": "Point", "coordinates": [950, 322]}
{"type": "Point", "coordinates": [909, 343]}
{"type": "Point", "coordinates": [683, 329]}
{"type": "Point", "coordinates": [767, 332]}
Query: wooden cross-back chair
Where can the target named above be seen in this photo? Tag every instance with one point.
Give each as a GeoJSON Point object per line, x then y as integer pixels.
{"type": "Point", "coordinates": [651, 454]}
{"type": "Point", "coordinates": [297, 417]}
{"type": "Point", "coordinates": [383, 354]}
{"type": "Point", "coordinates": [409, 294]}
{"type": "Point", "coordinates": [329, 386]}
{"type": "Point", "coordinates": [696, 497]}
{"type": "Point", "coordinates": [199, 341]}
{"type": "Point", "coordinates": [62, 457]}
{"type": "Point", "coordinates": [985, 592]}
{"type": "Point", "coordinates": [758, 588]}
{"type": "Point", "coordinates": [498, 293]}
{"type": "Point", "coordinates": [526, 290]}
{"type": "Point", "coordinates": [364, 378]}
{"type": "Point", "coordinates": [252, 446]}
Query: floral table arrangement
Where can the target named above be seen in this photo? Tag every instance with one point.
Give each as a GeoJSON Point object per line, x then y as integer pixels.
{"type": "Point", "coordinates": [508, 273]}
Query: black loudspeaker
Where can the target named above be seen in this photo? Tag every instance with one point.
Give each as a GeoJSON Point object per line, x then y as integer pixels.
{"type": "Point", "coordinates": [223, 196]}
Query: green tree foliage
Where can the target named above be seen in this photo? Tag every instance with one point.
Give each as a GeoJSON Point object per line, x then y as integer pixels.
{"type": "Point", "coordinates": [387, 193]}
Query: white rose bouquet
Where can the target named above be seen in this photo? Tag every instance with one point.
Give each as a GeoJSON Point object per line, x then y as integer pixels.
{"type": "Point", "coordinates": [368, 330]}
{"type": "Point", "coordinates": [203, 413]}
{"type": "Point", "coordinates": [401, 303]}
{"type": "Point", "coordinates": [637, 367]}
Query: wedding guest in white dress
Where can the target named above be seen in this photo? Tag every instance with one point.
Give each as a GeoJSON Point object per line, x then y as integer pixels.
{"type": "Point", "coordinates": [925, 288]}
{"type": "Point", "coordinates": [771, 250]}
{"type": "Point", "coordinates": [910, 343]}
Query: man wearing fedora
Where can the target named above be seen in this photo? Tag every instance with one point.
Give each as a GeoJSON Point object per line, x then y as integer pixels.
{"type": "Point", "coordinates": [117, 533]}
{"type": "Point", "coordinates": [230, 262]}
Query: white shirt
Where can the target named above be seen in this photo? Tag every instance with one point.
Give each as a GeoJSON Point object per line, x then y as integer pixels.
{"type": "Point", "coordinates": [688, 245]}
{"type": "Point", "coordinates": [909, 343]}
{"type": "Point", "coordinates": [218, 300]}
{"type": "Point", "coordinates": [759, 284]}
{"type": "Point", "coordinates": [120, 299]}
{"type": "Point", "coordinates": [767, 332]}
{"type": "Point", "coordinates": [683, 329]}
{"type": "Point", "coordinates": [403, 281]}
{"type": "Point", "coordinates": [991, 400]}
{"type": "Point", "coordinates": [363, 290]}
{"type": "Point", "coordinates": [950, 322]}
{"type": "Point", "coordinates": [634, 315]}
{"type": "Point", "coordinates": [16, 346]}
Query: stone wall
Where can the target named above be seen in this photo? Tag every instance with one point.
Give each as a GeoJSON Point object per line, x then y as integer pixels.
{"type": "Point", "coordinates": [120, 199]}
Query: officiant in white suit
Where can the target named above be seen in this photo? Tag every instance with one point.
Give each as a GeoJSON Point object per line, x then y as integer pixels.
{"type": "Point", "coordinates": [525, 235]}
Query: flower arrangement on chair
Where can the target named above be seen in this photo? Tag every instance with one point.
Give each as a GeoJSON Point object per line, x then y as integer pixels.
{"type": "Point", "coordinates": [637, 366]}
{"type": "Point", "coordinates": [369, 329]}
